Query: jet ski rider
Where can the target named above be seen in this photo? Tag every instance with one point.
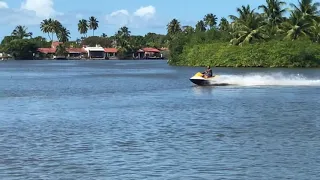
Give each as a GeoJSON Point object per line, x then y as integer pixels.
{"type": "Point", "coordinates": [207, 73]}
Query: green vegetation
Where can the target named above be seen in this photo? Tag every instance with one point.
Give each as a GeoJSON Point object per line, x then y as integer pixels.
{"type": "Point", "coordinates": [274, 37]}
{"type": "Point", "coordinates": [251, 39]}
{"type": "Point", "coordinates": [21, 48]}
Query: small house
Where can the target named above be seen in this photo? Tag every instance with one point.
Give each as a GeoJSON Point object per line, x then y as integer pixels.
{"type": "Point", "coordinates": [111, 53]}
{"type": "Point", "coordinates": [76, 53]}
{"type": "Point", "coordinates": [95, 52]}
{"type": "Point", "coordinates": [148, 53]}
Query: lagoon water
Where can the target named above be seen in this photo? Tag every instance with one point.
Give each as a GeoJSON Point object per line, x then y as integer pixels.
{"type": "Point", "coordinates": [146, 120]}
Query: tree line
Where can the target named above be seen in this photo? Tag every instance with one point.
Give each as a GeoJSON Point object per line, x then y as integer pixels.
{"type": "Point", "coordinates": [250, 38]}
{"type": "Point", "coordinates": [265, 39]}
{"type": "Point", "coordinates": [22, 45]}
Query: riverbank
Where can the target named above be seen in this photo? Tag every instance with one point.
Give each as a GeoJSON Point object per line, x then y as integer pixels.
{"type": "Point", "coordinates": [274, 53]}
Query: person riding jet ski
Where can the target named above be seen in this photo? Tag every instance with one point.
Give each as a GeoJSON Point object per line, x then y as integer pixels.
{"type": "Point", "coordinates": [207, 73]}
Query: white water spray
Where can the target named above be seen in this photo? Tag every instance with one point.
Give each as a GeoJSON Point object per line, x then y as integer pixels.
{"type": "Point", "coordinates": [273, 79]}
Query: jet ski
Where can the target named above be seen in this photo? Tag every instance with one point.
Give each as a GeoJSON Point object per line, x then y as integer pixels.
{"type": "Point", "coordinates": [200, 80]}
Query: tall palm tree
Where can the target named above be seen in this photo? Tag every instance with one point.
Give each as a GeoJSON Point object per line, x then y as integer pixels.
{"type": "Point", "coordinates": [93, 24]}
{"type": "Point", "coordinates": [173, 27]}
{"type": "Point", "coordinates": [83, 27]}
{"type": "Point", "coordinates": [63, 34]}
{"type": "Point", "coordinates": [248, 26]}
{"type": "Point", "coordinates": [243, 12]}
{"type": "Point", "coordinates": [50, 26]}
{"type": "Point", "coordinates": [46, 27]}
{"type": "Point", "coordinates": [123, 40]}
{"type": "Point", "coordinates": [307, 9]}
{"type": "Point", "coordinates": [200, 26]}
{"type": "Point", "coordinates": [21, 32]}
{"type": "Point", "coordinates": [224, 24]}
{"type": "Point", "coordinates": [123, 32]}
{"type": "Point", "coordinates": [57, 27]}
{"type": "Point", "coordinates": [273, 13]}
{"type": "Point", "coordinates": [210, 20]}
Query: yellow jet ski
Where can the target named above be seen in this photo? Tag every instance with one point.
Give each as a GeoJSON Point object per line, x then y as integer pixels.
{"type": "Point", "coordinates": [201, 80]}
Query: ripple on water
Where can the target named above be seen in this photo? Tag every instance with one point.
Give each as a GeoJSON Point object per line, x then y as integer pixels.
{"type": "Point", "coordinates": [95, 124]}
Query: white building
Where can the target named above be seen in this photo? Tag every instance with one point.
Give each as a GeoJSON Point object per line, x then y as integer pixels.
{"type": "Point", "coordinates": [4, 56]}
{"type": "Point", "coordinates": [95, 52]}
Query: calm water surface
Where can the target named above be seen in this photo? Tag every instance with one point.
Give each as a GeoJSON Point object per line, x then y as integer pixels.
{"type": "Point", "coordinates": [146, 120]}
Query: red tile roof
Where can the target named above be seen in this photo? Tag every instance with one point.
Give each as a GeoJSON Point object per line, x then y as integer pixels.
{"type": "Point", "coordinates": [47, 50]}
{"type": "Point", "coordinates": [76, 50]}
{"type": "Point", "coordinates": [150, 50]}
{"type": "Point", "coordinates": [110, 50]}
{"type": "Point", "coordinates": [53, 50]}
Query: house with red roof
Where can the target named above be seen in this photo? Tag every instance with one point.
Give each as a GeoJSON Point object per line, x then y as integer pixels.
{"type": "Point", "coordinates": [111, 53]}
{"type": "Point", "coordinates": [99, 52]}
{"type": "Point", "coordinates": [148, 53]}
{"type": "Point", "coordinates": [76, 53]}
{"type": "Point", "coordinates": [73, 53]}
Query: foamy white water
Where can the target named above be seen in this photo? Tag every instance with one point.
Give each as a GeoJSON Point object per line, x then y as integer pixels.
{"type": "Point", "coordinates": [273, 79]}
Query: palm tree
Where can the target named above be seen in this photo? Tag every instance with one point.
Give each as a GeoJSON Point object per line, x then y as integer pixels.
{"type": "Point", "coordinates": [273, 13]}
{"type": "Point", "coordinates": [46, 27]}
{"type": "Point", "coordinates": [296, 26]}
{"type": "Point", "coordinates": [200, 26]}
{"type": "Point", "coordinates": [244, 11]}
{"type": "Point", "coordinates": [248, 26]}
{"type": "Point", "coordinates": [210, 20]}
{"type": "Point", "coordinates": [307, 9]}
{"type": "Point", "coordinates": [173, 27]}
{"type": "Point", "coordinates": [61, 50]}
{"type": "Point", "coordinates": [315, 31]}
{"type": "Point", "coordinates": [57, 27]}
{"type": "Point", "coordinates": [224, 24]}
{"type": "Point", "coordinates": [123, 36]}
{"type": "Point", "coordinates": [93, 24]}
{"type": "Point", "coordinates": [21, 32]}
{"type": "Point", "coordinates": [123, 33]}
{"type": "Point", "coordinates": [50, 26]}
{"type": "Point", "coordinates": [83, 27]}
{"type": "Point", "coordinates": [63, 34]}
{"type": "Point", "coordinates": [104, 35]}
{"type": "Point", "coordinates": [188, 29]}
{"type": "Point", "coordinates": [123, 40]}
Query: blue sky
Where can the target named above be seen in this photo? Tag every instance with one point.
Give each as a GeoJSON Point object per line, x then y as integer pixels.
{"type": "Point", "coordinates": [141, 16]}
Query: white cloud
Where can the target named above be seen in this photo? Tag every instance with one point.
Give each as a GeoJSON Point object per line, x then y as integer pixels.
{"type": "Point", "coordinates": [3, 5]}
{"type": "Point", "coordinates": [120, 17]}
{"type": "Point", "coordinates": [42, 8]}
{"type": "Point", "coordinates": [141, 17]}
{"type": "Point", "coordinates": [31, 12]}
{"type": "Point", "coordinates": [120, 12]}
{"type": "Point", "coordinates": [145, 12]}
{"type": "Point", "coordinates": [18, 17]}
